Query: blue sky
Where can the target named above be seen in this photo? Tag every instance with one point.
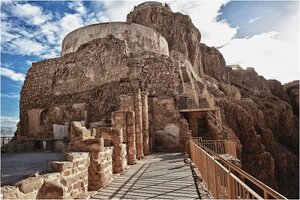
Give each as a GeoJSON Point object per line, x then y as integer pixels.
{"type": "Point", "coordinates": [263, 35]}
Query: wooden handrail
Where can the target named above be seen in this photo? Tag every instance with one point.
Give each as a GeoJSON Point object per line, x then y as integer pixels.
{"type": "Point", "coordinates": [219, 146]}
{"type": "Point", "coordinates": [221, 179]}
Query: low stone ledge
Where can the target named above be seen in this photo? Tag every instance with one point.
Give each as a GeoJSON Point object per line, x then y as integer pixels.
{"type": "Point", "coordinates": [61, 166]}
{"type": "Point", "coordinates": [76, 155]}
{"type": "Point", "coordinates": [30, 184]}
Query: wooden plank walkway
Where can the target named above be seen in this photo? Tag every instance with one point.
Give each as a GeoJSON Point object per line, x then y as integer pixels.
{"type": "Point", "coordinates": [158, 176]}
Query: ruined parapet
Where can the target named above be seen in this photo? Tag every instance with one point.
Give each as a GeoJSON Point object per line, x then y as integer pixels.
{"type": "Point", "coordinates": [74, 173]}
{"type": "Point", "coordinates": [137, 37]}
{"type": "Point", "coordinates": [100, 169]}
{"type": "Point", "coordinates": [125, 120]}
{"type": "Point", "coordinates": [68, 181]}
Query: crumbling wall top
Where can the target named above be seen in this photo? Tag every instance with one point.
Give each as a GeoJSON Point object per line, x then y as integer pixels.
{"type": "Point", "coordinates": [138, 37]}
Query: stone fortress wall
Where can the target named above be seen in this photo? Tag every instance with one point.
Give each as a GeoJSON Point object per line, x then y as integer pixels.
{"type": "Point", "coordinates": [138, 37]}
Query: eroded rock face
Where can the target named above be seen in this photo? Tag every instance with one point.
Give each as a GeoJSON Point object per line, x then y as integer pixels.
{"type": "Point", "coordinates": [213, 63]}
{"type": "Point", "coordinates": [183, 37]}
{"type": "Point", "coordinates": [276, 124]}
{"type": "Point", "coordinates": [292, 91]}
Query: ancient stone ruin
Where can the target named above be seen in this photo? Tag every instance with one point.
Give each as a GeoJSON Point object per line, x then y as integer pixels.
{"type": "Point", "coordinates": [122, 90]}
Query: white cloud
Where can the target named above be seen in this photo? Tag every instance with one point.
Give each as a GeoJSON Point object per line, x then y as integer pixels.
{"type": "Point", "coordinates": [9, 121]}
{"type": "Point", "coordinates": [203, 14]}
{"type": "Point", "coordinates": [24, 46]}
{"type": "Point", "coordinates": [114, 10]}
{"type": "Point", "coordinates": [10, 95]}
{"type": "Point", "coordinates": [31, 14]}
{"type": "Point", "coordinates": [11, 74]}
{"type": "Point", "coordinates": [78, 7]}
{"type": "Point", "coordinates": [69, 23]}
{"type": "Point", "coordinates": [6, 36]}
{"type": "Point", "coordinates": [44, 39]}
{"type": "Point", "coordinates": [262, 51]}
{"type": "Point", "coordinates": [271, 57]}
{"type": "Point", "coordinates": [29, 62]}
{"type": "Point", "coordinates": [254, 19]}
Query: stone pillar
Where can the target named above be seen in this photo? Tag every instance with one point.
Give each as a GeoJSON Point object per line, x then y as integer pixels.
{"type": "Point", "coordinates": [119, 122]}
{"type": "Point", "coordinates": [119, 152]}
{"type": "Point", "coordinates": [130, 132]}
{"type": "Point", "coordinates": [145, 121]}
{"type": "Point", "coordinates": [138, 124]}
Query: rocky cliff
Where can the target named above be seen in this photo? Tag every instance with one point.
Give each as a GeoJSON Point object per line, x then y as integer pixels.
{"type": "Point", "coordinates": [261, 115]}
{"type": "Point", "coordinates": [183, 37]}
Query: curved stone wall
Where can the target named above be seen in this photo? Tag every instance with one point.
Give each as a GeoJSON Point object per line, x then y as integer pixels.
{"type": "Point", "coordinates": [138, 37]}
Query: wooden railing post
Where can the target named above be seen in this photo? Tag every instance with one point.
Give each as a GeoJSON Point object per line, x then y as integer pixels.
{"type": "Point", "coordinates": [230, 185]}
{"type": "Point", "coordinates": [217, 184]}
{"type": "Point", "coordinates": [220, 179]}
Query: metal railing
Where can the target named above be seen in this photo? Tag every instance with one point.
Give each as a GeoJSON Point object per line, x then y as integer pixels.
{"type": "Point", "coordinates": [226, 181]}
{"type": "Point", "coordinates": [219, 146]}
{"type": "Point", "coordinates": [5, 140]}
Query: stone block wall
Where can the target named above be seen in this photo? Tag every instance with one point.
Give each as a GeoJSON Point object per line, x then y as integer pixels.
{"type": "Point", "coordinates": [74, 173]}
{"type": "Point", "coordinates": [100, 169]}
{"type": "Point", "coordinates": [119, 152]}
{"type": "Point", "coordinates": [125, 120]}
{"type": "Point", "coordinates": [55, 85]}
{"type": "Point", "coordinates": [138, 103]}
{"type": "Point", "coordinates": [69, 180]}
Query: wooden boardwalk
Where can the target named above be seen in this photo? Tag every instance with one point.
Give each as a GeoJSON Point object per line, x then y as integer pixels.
{"type": "Point", "coordinates": [157, 176]}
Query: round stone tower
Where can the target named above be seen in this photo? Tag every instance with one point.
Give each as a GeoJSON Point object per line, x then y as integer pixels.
{"type": "Point", "coordinates": [138, 37]}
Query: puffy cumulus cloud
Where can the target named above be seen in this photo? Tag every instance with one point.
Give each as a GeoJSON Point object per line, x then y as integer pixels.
{"type": "Point", "coordinates": [25, 46]}
{"type": "Point", "coordinates": [11, 74]}
{"type": "Point", "coordinates": [271, 57]}
{"type": "Point", "coordinates": [114, 10]}
{"type": "Point", "coordinates": [43, 34]}
{"type": "Point", "coordinates": [69, 23]}
{"type": "Point", "coordinates": [78, 7]}
{"type": "Point", "coordinates": [269, 53]}
{"type": "Point", "coordinates": [31, 14]}
{"type": "Point", "coordinates": [204, 15]}
{"type": "Point", "coordinates": [6, 33]}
